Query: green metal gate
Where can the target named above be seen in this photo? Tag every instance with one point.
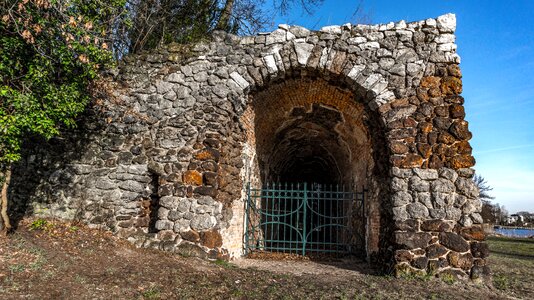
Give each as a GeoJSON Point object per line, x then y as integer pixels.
{"type": "Point", "coordinates": [304, 219]}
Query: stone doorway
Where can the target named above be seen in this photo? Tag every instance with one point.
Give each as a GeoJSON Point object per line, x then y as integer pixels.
{"type": "Point", "coordinates": [310, 131]}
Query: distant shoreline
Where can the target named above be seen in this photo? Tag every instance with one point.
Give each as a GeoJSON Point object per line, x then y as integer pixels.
{"type": "Point", "coordinates": [512, 231]}
{"type": "Point", "coordinates": [511, 227]}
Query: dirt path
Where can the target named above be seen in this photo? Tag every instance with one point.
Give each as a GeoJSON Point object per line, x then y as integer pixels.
{"type": "Point", "coordinates": [343, 269]}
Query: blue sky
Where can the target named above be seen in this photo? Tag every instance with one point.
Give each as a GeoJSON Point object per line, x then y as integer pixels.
{"type": "Point", "coordinates": [496, 43]}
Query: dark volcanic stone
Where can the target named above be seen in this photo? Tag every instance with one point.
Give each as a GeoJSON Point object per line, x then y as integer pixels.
{"type": "Point", "coordinates": [412, 240]}
{"type": "Point", "coordinates": [457, 111]}
{"type": "Point", "coordinates": [210, 178]}
{"type": "Point", "coordinates": [435, 251]}
{"type": "Point", "coordinates": [460, 130]}
{"type": "Point", "coordinates": [403, 255]}
{"type": "Point", "coordinates": [453, 241]}
{"type": "Point", "coordinates": [478, 272]}
{"type": "Point", "coordinates": [191, 236]}
{"type": "Point", "coordinates": [442, 123]}
{"type": "Point", "coordinates": [165, 190]}
{"type": "Point", "coordinates": [206, 191]}
{"type": "Point", "coordinates": [480, 250]}
{"type": "Point", "coordinates": [436, 225]}
{"type": "Point", "coordinates": [408, 225]}
{"type": "Point", "coordinates": [420, 262]}
{"type": "Point", "coordinates": [433, 267]}
{"type": "Point", "coordinates": [463, 261]}
{"type": "Point", "coordinates": [213, 143]}
{"type": "Point", "coordinates": [136, 150]}
{"type": "Point", "coordinates": [210, 166]}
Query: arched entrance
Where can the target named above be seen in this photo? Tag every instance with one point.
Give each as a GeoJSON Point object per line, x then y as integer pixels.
{"type": "Point", "coordinates": [313, 161]}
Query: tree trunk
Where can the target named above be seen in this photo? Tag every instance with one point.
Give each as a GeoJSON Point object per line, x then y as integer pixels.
{"type": "Point", "coordinates": [224, 19]}
{"type": "Point", "coordinates": [3, 205]}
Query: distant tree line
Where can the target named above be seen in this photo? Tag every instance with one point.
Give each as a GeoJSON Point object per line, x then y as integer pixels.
{"type": "Point", "coordinates": [147, 24]}
{"type": "Point", "coordinates": [492, 213]}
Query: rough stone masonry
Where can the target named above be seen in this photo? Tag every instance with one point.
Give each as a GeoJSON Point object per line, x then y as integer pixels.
{"type": "Point", "coordinates": [163, 156]}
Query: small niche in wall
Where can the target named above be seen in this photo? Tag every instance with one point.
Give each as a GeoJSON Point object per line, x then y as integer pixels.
{"type": "Point", "coordinates": [154, 203]}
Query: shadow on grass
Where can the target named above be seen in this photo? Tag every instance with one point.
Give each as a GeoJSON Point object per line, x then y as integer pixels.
{"type": "Point", "coordinates": [513, 255]}
{"type": "Point", "coordinates": [511, 240]}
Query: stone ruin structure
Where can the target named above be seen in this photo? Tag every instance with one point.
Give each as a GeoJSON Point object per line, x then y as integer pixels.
{"type": "Point", "coordinates": [164, 156]}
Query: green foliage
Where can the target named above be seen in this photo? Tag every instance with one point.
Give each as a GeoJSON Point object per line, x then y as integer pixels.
{"type": "Point", "coordinates": [448, 278]}
{"type": "Point", "coordinates": [501, 282]}
{"type": "Point", "coordinates": [17, 268]}
{"type": "Point", "coordinates": [40, 224]}
{"type": "Point", "coordinates": [50, 52]}
{"type": "Point", "coordinates": [158, 22]}
{"type": "Point", "coordinates": [224, 264]}
{"type": "Point", "coordinates": [74, 228]}
{"type": "Point", "coordinates": [152, 293]}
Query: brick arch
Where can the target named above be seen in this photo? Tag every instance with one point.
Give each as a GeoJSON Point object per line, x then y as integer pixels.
{"type": "Point", "coordinates": [366, 155]}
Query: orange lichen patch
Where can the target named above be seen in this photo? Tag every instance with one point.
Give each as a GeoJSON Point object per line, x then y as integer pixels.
{"type": "Point", "coordinates": [409, 161]}
{"type": "Point", "coordinates": [454, 70]}
{"type": "Point", "coordinates": [425, 127]}
{"type": "Point", "coordinates": [412, 161]}
{"type": "Point", "coordinates": [457, 111]}
{"type": "Point", "coordinates": [193, 177]}
{"type": "Point", "coordinates": [446, 138]}
{"type": "Point", "coordinates": [422, 94]}
{"type": "Point", "coordinates": [462, 161]}
{"type": "Point", "coordinates": [430, 82]}
{"type": "Point", "coordinates": [451, 86]}
{"type": "Point", "coordinates": [463, 147]}
{"type": "Point", "coordinates": [399, 148]}
{"type": "Point", "coordinates": [425, 150]}
{"type": "Point", "coordinates": [208, 154]}
{"type": "Point", "coordinates": [473, 233]}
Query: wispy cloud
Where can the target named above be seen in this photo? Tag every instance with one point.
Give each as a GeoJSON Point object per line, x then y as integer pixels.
{"type": "Point", "coordinates": [503, 149]}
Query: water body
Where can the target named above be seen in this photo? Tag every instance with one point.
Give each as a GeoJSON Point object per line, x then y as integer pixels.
{"type": "Point", "coordinates": [515, 232]}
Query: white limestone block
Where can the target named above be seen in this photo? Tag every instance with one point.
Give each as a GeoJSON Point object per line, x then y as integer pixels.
{"type": "Point", "coordinates": [303, 51]}
{"type": "Point", "coordinates": [447, 23]}
{"type": "Point", "coordinates": [270, 63]}
{"type": "Point", "coordinates": [241, 82]}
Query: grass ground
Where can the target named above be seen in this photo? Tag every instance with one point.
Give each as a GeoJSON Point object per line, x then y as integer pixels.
{"type": "Point", "coordinates": [54, 260]}
{"type": "Point", "coordinates": [512, 263]}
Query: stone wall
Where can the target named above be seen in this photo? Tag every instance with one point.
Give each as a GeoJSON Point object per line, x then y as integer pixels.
{"type": "Point", "coordinates": [163, 155]}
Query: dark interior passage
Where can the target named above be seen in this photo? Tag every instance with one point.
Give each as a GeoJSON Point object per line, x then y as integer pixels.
{"type": "Point", "coordinates": [308, 149]}
{"type": "Point", "coordinates": [310, 132]}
